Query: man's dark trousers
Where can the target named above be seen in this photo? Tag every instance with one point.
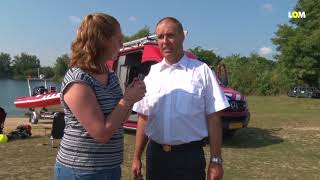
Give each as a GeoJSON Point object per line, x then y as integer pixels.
{"type": "Point", "coordinates": [185, 162]}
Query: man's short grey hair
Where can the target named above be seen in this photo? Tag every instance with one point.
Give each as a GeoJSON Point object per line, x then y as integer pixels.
{"type": "Point", "coordinates": [172, 19]}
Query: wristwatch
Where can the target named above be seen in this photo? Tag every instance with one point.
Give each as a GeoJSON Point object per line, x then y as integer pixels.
{"type": "Point", "coordinates": [217, 160]}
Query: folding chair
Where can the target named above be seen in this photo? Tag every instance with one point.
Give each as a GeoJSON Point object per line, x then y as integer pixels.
{"type": "Point", "coordinates": [58, 125]}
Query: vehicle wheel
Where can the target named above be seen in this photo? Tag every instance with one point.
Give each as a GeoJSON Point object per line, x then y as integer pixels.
{"type": "Point", "coordinates": [228, 134]}
{"type": "Point", "coordinates": [34, 117]}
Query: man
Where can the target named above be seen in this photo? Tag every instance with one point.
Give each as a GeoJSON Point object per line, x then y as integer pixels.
{"type": "Point", "coordinates": [180, 109]}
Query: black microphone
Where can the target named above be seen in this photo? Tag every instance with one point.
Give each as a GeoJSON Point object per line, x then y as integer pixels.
{"type": "Point", "coordinates": [141, 76]}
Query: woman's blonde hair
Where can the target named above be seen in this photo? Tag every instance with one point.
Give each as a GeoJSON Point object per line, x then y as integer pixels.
{"type": "Point", "coordinates": [88, 48]}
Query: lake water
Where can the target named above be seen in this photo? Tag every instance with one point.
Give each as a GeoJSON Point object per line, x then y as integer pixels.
{"type": "Point", "coordinates": [12, 89]}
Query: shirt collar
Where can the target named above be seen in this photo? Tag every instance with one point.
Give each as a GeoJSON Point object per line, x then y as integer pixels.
{"type": "Point", "coordinates": [182, 64]}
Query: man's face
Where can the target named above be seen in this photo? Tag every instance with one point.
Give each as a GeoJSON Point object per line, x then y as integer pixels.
{"type": "Point", "coordinates": [170, 41]}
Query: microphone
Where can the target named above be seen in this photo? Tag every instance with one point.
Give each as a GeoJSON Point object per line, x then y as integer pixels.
{"type": "Point", "coordinates": [141, 76]}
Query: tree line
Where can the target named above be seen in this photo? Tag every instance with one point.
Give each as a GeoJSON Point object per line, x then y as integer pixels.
{"type": "Point", "coordinates": [297, 61]}
{"type": "Point", "coordinates": [27, 65]}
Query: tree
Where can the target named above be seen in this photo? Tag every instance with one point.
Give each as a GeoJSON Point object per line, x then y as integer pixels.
{"type": "Point", "coordinates": [25, 65]}
{"type": "Point", "coordinates": [261, 69]}
{"type": "Point", "coordinates": [5, 70]}
{"type": "Point", "coordinates": [61, 67]}
{"type": "Point", "coordinates": [47, 71]}
{"type": "Point", "coordinates": [299, 47]}
{"type": "Point", "coordinates": [250, 75]}
{"type": "Point", "coordinates": [145, 31]}
{"type": "Point", "coordinates": [207, 56]}
{"type": "Point", "coordinates": [239, 78]}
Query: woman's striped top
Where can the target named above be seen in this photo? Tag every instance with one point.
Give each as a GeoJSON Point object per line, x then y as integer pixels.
{"type": "Point", "coordinates": [79, 150]}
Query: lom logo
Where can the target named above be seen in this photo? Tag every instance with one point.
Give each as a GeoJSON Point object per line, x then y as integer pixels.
{"type": "Point", "coordinates": [297, 14]}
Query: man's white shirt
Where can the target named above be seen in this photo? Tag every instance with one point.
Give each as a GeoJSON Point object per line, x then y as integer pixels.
{"type": "Point", "coordinates": [179, 97]}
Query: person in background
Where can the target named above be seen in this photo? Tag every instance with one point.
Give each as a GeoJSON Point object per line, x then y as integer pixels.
{"type": "Point", "coordinates": [181, 107]}
{"type": "Point", "coordinates": [94, 106]}
{"type": "Point", "coordinates": [3, 116]}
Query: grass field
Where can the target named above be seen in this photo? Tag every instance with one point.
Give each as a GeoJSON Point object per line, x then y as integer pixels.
{"type": "Point", "coordinates": [281, 142]}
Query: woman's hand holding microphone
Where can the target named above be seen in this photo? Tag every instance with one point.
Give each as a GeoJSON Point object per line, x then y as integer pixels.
{"type": "Point", "coordinates": [134, 92]}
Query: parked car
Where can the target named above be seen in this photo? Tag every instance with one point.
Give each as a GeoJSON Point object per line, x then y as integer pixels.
{"type": "Point", "coordinates": [136, 58]}
{"type": "Point", "coordinates": [302, 91]}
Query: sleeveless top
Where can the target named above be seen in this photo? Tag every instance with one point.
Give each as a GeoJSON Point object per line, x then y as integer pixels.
{"type": "Point", "coordinates": [79, 150]}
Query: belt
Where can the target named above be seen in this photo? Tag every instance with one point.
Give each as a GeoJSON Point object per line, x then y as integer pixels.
{"type": "Point", "coordinates": [180, 147]}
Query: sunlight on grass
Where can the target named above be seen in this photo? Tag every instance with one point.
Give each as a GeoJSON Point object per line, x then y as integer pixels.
{"type": "Point", "coordinates": [281, 142]}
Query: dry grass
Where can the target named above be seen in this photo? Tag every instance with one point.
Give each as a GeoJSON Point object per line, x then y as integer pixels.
{"type": "Point", "coordinates": [282, 142]}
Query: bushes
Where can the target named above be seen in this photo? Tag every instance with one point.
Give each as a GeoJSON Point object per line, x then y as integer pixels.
{"type": "Point", "coordinates": [258, 75]}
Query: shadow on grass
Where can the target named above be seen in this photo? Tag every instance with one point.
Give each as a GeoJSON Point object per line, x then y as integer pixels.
{"type": "Point", "coordinates": [44, 122]}
{"type": "Point", "coordinates": [252, 137]}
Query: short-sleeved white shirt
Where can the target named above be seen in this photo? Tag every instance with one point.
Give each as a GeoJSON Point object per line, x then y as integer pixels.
{"type": "Point", "coordinates": [178, 99]}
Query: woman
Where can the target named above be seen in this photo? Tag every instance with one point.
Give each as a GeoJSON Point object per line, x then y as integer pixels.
{"type": "Point", "coordinates": [94, 106]}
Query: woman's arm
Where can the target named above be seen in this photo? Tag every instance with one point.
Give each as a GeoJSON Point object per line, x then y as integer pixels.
{"type": "Point", "coordinates": [83, 103]}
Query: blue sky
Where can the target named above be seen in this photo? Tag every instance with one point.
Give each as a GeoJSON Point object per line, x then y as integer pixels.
{"type": "Point", "coordinates": [47, 28]}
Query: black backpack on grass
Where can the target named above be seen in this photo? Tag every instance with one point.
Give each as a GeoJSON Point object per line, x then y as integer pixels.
{"type": "Point", "coordinates": [21, 132]}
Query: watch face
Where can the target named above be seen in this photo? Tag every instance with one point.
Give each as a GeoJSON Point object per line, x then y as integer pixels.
{"type": "Point", "coordinates": [216, 160]}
